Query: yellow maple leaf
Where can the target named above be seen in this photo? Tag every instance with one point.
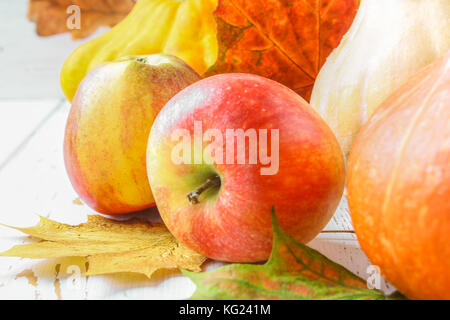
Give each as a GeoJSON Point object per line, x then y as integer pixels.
{"type": "Point", "coordinates": [109, 246]}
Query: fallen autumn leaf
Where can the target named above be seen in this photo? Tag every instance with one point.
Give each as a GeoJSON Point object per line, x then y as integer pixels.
{"type": "Point", "coordinates": [294, 271]}
{"type": "Point", "coordinates": [287, 41]}
{"type": "Point", "coordinates": [109, 246]}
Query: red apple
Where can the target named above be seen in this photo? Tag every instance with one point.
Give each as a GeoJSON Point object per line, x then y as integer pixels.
{"type": "Point", "coordinates": [108, 125]}
{"type": "Point", "coordinates": [219, 204]}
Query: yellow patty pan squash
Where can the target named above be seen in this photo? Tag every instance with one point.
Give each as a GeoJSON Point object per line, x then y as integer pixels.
{"type": "Point", "coordinates": [388, 41]}
{"type": "Point", "coordinates": [185, 29]}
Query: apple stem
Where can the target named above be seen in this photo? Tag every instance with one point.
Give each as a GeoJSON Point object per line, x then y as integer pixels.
{"type": "Point", "coordinates": [210, 183]}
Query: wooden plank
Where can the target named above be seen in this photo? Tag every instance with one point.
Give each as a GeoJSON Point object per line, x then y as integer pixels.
{"type": "Point", "coordinates": [35, 182]}
{"type": "Point", "coordinates": [19, 121]}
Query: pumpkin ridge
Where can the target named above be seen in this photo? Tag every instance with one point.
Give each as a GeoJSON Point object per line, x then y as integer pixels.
{"type": "Point", "coordinates": [409, 131]}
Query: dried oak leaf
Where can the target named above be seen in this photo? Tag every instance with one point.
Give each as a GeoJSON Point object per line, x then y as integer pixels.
{"type": "Point", "coordinates": [109, 246]}
{"type": "Point", "coordinates": [285, 40]}
{"type": "Point", "coordinates": [51, 16]}
{"type": "Point", "coordinates": [294, 271]}
{"type": "Point", "coordinates": [106, 6]}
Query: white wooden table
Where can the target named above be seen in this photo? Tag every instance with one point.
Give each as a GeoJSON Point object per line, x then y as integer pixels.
{"type": "Point", "coordinates": [33, 182]}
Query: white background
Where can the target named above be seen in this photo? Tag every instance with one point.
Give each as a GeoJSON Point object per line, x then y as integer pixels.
{"type": "Point", "coordinates": [30, 65]}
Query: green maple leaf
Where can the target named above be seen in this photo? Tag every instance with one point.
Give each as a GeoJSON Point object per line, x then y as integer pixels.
{"type": "Point", "coordinates": [293, 271]}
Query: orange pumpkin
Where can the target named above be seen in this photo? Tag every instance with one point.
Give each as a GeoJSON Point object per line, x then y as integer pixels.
{"type": "Point", "coordinates": [398, 185]}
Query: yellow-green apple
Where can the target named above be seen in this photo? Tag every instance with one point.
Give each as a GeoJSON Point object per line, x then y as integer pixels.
{"type": "Point", "coordinates": [225, 150]}
{"type": "Point", "coordinates": [108, 125]}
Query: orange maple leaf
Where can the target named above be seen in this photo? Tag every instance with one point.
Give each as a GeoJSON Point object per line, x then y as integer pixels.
{"type": "Point", "coordinates": [285, 40]}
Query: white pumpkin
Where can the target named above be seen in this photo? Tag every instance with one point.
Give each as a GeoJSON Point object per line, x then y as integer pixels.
{"type": "Point", "coordinates": [388, 41]}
